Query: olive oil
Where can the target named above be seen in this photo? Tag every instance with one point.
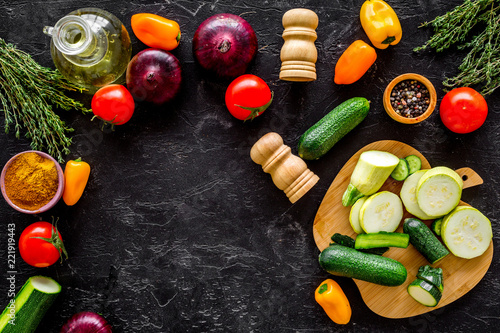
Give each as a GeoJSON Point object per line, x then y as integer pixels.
{"type": "Point", "coordinates": [91, 48]}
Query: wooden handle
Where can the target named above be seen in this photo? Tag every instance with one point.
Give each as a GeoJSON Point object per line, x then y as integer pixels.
{"type": "Point", "coordinates": [289, 172]}
{"type": "Point", "coordinates": [470, 177]}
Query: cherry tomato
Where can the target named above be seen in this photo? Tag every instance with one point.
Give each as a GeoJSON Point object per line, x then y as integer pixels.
{"type": "Point", "coordinates": [114, 104]}
{"type": "Point", "coordinates": [248, 96]}
{"type": "Point", "coordinates": [463, 110]}
{"type": "Point", "coordinates": [43, 251]}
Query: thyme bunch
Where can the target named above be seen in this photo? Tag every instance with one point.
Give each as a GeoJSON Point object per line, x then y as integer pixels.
{"type": "Point", "coordinates": [481, 65]}
{"type": "Point", "coordinates": [28, 92]}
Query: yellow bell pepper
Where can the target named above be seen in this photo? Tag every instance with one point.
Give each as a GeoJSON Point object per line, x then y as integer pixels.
{"type": "Point", "coordinates": [332, 299]}
{"type": "Point", "coordinates": [380, 22]}
{"type": "Point", "coordinates": [76, 175]}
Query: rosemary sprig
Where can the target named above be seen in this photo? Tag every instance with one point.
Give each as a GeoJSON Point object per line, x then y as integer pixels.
{"type": "Point", "coordinates": [28, 91]}
{"type": "Point", "coordinates": [481, 66]}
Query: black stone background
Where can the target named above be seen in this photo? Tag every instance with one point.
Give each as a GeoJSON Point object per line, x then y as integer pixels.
{"type": "Point", "coordinates": [179, 231]}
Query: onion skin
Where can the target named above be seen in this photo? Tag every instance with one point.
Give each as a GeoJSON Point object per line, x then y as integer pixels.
{"type": "Point", "coordinates": [86, 322]}
{"type": "Point", "coordinates": [225, 44]}
{"type": "Point", "coordinates": [154, 75]}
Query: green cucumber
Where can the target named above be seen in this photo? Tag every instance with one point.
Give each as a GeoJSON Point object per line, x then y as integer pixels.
{"type": "Point", "coordinates": [370, 173]}
{"type": "Point", "coordinates": [26, 310]}
{"type": "Point", "coordinates": [424, 292]}
{"type": "Point", "coordinates": [436, 226]}
{"type": "Point", "coordinates": [402, 170]}
{"type": "Point", "coordinates": [344, 261]}
{"type": "Point", "coordinates": [354, 215]}
{"type": "Point", "coordinates": [382, 239]}
{"type": "Point", "coordinates": [439, 191]}
{"type": "Point", "coordinates": [422, 238]}
{"type": "Point", "coordinates": [323, 135]}
{"type": "Point", "coordinates": [382, 211]}
{"type": "Point", "coordinates": [408, 195]}
{"type": "Point", "coordinates": [345, 240]}
{"type": "Point", "coordinates": [466, 232]}
{"type": "Point", "coordinates": [433, 275]}
{"type": "Point", "coordinates": [414, 163]}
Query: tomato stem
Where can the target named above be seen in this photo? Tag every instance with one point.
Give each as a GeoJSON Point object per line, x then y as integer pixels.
{"type": "Point", "coordinates": [55, 241]}
{"type": "Point", "coordinates": [255, 111]}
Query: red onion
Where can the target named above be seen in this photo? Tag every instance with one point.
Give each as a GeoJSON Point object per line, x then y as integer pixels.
{"type": "Point", "coordinates": [225, 44]}
{"type": "Point", "coordinates": [86, 322]}
{"type": "Point", "coordinates": [154, 75]}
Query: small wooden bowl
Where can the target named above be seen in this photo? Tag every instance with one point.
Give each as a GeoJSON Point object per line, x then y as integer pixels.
{"type": "Point", "coordinates": [54, 199]}
{"type": "Point", "coordinates": [409, 76]}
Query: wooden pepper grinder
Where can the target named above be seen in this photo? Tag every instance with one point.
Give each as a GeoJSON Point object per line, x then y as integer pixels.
{"type": "Point", "coordinates": [289, 172]}
{"type": "Point", "coordinates": [299, 54]}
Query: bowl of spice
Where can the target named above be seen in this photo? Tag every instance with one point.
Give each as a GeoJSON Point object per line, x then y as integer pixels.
{"type": "Point", "coordinates": [32, 182]}
{"type": "Point", "coordinates": [410, 98]}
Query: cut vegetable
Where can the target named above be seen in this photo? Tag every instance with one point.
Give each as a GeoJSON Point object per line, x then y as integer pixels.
{"type": "Point", "coordinates": [409, 195]}
{"type": "Point", "coordinates": [354, 215]}
{"type": "Point", "coordinates": [425, 293]}
{"type": "Point", "coordinates": [422, 238]}
{"type": "Point", "coordinates": [402, 170]}
{"type": "Point", "coordinates": [382, 211]}
{"type": "Point", "coordinates": [414, 163]}
{"type": "Point", "coordinates": [382, 239]}
{"type": "Point", "coordinates": [371, 171]}
{"type": "Point", "coordinates": [344, 261]}
{"type": "Point", "coordinates": [433, 275]}
{"type": "Point", "coordinates": [439, 191]}
{"type": "Point", "coordinates": [436, 226]}
{"type": "Point", "coordinates": [466, 232]}
{"type": "Point", "coordinates": [345, 240]}
{"type": "Point", "coordinates": [30, 305]}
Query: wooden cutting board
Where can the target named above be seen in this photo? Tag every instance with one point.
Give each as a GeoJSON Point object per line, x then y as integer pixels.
{"type": "Point", "coordinates": [460, 275]}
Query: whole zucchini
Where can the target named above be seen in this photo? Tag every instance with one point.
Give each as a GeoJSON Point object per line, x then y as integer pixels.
{"type": "Point", "coordinates": [344, 261]}
{"type": "Point", "coordinates": [323, 135]}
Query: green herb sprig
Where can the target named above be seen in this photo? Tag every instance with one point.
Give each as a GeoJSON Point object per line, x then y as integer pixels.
{"type": "Point", "coordinates": [28, 91]}
{"type": "Point", "coordinates": [481, 66]}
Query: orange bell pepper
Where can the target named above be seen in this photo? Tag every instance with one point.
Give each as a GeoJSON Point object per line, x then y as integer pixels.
{"type": "Point", "coordinates": [354, 62]}
{"type": "Point", "coordinates": [156, 31]}
{"type": "Point", "coordinates": [333, 300]}
{"type": "Point", "coordinates": [76, 175]}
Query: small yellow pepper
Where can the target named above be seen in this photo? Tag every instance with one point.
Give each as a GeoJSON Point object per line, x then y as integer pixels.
{"type": "Point", "coordinates": [156, 31]}
{"type": "Point", "coordinates": [380, 22]}
{"type": "Point", "coordinates": [354, 62]}
{"type": "Point", "coordinates": [333, 300]}
{"type": "Point", "coordinates": [76, 175]}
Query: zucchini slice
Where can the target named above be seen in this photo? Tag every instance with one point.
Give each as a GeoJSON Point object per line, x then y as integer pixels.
{"type": "Point", "coordinates": [382, 211]}
{"type": "Point", "coordinates": [30, 305]}
{"type": "Point", "coordinates": [436, 226]}
{"type": "Point", "coordinates": [466, 232]}
{"type": "Point", "coordinates": [409, 196]}
{"type": "Point", "coordinates": [382, 239]}
{"type": "Point", "coordinates": [354, 215]}
{"type": "Point", "coordinates": [414, 163]}
{"type": "Point", "coordinates": [422, 238]}
{"type": "Point", "coordinates": [402, 170]}
{"type": "Point", "coordinates": [424, 292]}
{"type": "Point", "coordinates": [439, 191]}
{"type": "Point", "coordinates": [433, 275]}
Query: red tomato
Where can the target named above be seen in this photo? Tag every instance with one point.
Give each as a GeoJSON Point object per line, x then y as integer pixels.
{"type": "Point", "coordinates": [114, 104]}
{"type": "Point", "coordinates": [463, 110]}
{"type": "Point", "coordinates": [41, 252]}
{"type": "Point", "coordinates": [248, 96]}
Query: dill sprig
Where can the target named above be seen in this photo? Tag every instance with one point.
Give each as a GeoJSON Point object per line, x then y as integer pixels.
{"type": "Point", "coordinates": [28, 91]}
{"type": "Point", "coordinates": [481, 65]}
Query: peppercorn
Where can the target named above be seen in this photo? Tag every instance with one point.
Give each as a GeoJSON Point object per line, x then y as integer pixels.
{"type": "Point", "coordinates": [410, 98]}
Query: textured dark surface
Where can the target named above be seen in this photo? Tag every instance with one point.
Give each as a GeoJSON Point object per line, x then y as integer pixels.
{"type": "Point", "coordinates": [179, 231]}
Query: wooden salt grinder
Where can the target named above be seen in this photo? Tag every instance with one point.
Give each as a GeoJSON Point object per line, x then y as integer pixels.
{"type": "Point", "coordinates": [289, 172]}
{"type": "Point", "coordinates": [299, 54]}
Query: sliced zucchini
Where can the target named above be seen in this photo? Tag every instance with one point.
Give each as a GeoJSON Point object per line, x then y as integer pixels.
{"type": "Point", "coordinates": [409, 196]}
{"type": "Point", "coordinates": [382, 239]}
{"type": "Point", "coordinates": [422, 238]}
{"type": "Point", "coordinates": [466, 232]}
{"type": "Point", "coordinates": [414, 163]}
{"type": "Point", "coordinates": [354, 215]}
{"type": "Point", "coordinates": [348, 241]}
{"type": "Point", "coordinates": [424, 292]}
{"type": "Point", "coordinates": [439, 191]}
{"type": "Point", "coordinates": [433, 275]}
{"type": "Point", "coordinates": [436, 226]}
{"type": "Point", "coordinates": [382, 211]}
{"type": "Point", "coordinates": [402, 170]}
